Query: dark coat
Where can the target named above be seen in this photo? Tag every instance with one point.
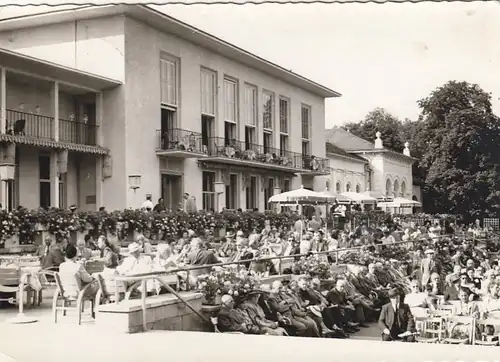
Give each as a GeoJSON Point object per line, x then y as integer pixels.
{"type": "Point", "coordinates": [404, 318]}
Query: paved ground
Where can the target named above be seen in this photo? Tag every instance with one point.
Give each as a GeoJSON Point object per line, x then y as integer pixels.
{"type": "Point", "coordinates": [46, 341]}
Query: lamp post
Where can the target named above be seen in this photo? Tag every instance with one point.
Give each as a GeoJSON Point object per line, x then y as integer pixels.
{"type": "Point", "coordinates": [134, 183]}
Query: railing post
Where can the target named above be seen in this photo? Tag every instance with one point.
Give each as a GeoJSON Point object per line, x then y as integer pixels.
{"type": "Point", "coordinates": [3, 100]}
{"type": "Point", "coordinates": [55, 112]}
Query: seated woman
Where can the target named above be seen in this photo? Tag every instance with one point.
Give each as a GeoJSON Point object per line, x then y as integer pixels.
{"type": "Point", "coordinates": [490, 302]}
{"type": "Point", "coordinates": [464, 307]}
{"type": "Point", "coordinates": [165, 260]}
{"type": "Point", "coordinates": [419, 302]}
{"type": "Point", "coordinates": [436, 285]}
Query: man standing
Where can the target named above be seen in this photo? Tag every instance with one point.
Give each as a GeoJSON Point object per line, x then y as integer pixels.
{"type": "Point", "coordinates": [396, 320]}
{"type": "Point", "coordinates": [147, 205]}
{"type": "Point", "coordinates": [428, 267]}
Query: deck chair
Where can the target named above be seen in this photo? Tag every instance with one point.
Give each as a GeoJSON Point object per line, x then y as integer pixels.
{"type": "Point", "coordinates": [453, 322]}
{"type": "Point", "coordinates": [10, 282]}
{"type": "Point", "coordinates": [66, 302]}
{"type": "Point", "coordinates": [432, 330]}
{"type": "Point", "coordinates": [482, 338]}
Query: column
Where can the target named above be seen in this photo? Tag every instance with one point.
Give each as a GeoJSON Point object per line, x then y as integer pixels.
{"type": "Point", "coordinates": [3, 100]}
{"type": "Point", "coordinates": [99, 104]}
{"type": "Point", "coordinates": [55, 109]}
{"type": "Point", "coordinates": [54, 180]}
{"type": "Point", "coordinates": [99, 182]}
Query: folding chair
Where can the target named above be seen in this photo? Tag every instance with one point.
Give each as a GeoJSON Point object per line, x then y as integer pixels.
{"type": "Point", "coordinates": [482, 338]}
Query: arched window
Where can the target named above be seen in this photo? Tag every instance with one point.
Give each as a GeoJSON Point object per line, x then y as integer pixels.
{"type": "Point", "coordinates": [338, 187]}
{"type": "Point", "coordinates": [348, 187]}
{"type": "Point", "coordinates": [403, 189]}
{"type": "Point", "coordinates": [327, 185]}
{"type": "Point", "coordinates": [358, 188]}
{"type": "Point", "coordinates": [396, 188]}
{"type": "Point", "coordinates": [388, 187]}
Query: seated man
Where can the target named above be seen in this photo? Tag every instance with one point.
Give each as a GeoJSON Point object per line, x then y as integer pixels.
{"type": "Point", "coordinates": [343, 305]}
{"type": "Point", "coordinates": [231, 319]}
{"type": "Point", "coordinates": [396, 320]}
{"type": "Point", "coordinates": [299, 311]}
{"type": "Point", "coordinates": [319, 305]}
{"type": "Point", "coordinates": [251, 307]}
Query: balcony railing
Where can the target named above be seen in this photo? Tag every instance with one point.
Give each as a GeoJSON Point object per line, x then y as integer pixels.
{"type": "Point", "coordinates": [222, 147]}
{"type": "Point", "coordinates": [29, 124]}
{"type": "Point", "coordinates": [39, 126]}
{"type": "Point", "coordinates": [177, 139]}
{"type": "Point", "coordinates": [77, 132]}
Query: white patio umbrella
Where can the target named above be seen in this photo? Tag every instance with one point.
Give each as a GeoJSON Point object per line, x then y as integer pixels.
{"type": "Point", "coordinates": [300, 196]}
{"type": "Point", "coordinates": [359, 198]}
{"type": "Point", "coordinates": [400, 202]}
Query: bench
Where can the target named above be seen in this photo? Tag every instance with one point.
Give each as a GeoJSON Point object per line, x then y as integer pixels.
{"type": "Point", "coordinates": [163, 312]}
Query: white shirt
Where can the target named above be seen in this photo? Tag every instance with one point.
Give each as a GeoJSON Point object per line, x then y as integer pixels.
{"type": "Point", "coordinates": [148, 204]}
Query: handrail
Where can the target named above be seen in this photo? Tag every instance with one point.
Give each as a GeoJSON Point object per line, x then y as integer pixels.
{"type": "Point", "coordinates": [277, 257]}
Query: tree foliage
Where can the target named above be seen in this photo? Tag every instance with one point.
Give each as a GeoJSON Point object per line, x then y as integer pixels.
{"type": "Point", "coordinates": [460, 137]}
{"type": "Point", "coordinates": [456, 140]}
{"type": "Point", "coordinates": [382, 121]}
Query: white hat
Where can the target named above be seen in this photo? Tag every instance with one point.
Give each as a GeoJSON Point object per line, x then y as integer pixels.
{"type": "Point", "coordinates": [429, 251]}
{"type": "Point", "coordinates": [133, 247]}
{"type": "Point", "coordinates": [240, 233]}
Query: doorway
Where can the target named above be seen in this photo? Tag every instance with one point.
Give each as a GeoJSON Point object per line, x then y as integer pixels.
{"type": "Point", "coordinates": [171, 191]}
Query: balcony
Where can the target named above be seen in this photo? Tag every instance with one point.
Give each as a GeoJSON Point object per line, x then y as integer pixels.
{"type": "Point", "coordinates": [179, 143]}
{"type": "Point", "coordinates": [246, 154]}
{"type": "Point", "coordinates": [23, 125]}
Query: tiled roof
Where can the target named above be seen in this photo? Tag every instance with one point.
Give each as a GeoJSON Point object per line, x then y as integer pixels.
{"type": "Point", "coordinates": [333, 149]}
{"type": "Point", "coordinates": [346, 140]}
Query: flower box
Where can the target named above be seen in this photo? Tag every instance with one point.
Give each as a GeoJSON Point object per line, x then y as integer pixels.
{"type": "Point", "coordinates": [215, 302]}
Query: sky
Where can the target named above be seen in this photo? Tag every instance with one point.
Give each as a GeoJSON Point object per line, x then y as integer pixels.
{"type": "Point", "coordinates": [387, 56]}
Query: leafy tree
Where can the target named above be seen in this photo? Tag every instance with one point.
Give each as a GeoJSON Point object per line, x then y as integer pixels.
{"type": "Point", "coordinates": [459, 140]}
{"type": "Point", "coordinates": [382, 121]}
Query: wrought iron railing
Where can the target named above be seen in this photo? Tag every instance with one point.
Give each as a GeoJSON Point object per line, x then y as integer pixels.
{"type": "Point", "coordinates": [180, 140]}
{"type": "Point", "coordinates": [29, 124]}
{"type": "Point", "coordinates": [77, 132]}
{"type": "Point", "coordinates": [223, 147]}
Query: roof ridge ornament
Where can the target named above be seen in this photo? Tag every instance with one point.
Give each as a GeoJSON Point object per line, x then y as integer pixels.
{"type": "Point", "coordinates": [378, 140]}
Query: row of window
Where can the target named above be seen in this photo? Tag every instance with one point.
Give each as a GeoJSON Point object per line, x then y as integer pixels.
{"type": "Point", "coordinates": [394, 188]}
{"type": "Point", "coordinates": [232, 193]}
{"type": "Point", "coordinates": [348, 187]}
{"type": "Point", "coordinates": [170, 81]}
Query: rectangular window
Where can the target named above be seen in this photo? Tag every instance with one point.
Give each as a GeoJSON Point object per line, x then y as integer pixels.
{"type": "Point", "coordinates": [250, 105]}
{"type": "Point", "coordinates": [284, 115]}
{"type": "Point", "coordinates": [208, 184]}
{"type": "Point", "coordinates": [305, 148]}
{"type": "Point", "coordinates": [268, 110]}
{"type": "Point", "coordinates": [230, 100]}
{"type": "Point", "coordinates": [283, 144]}
{"type": "Point", "coordinates": [232, 192]}
{"type": "Point", "coordinates": [268, 142]}
{"type": "Point", "coordinates": [251, 193]}
{"type": "Point", "coordinates": [249, 137]}
{"type": "Point", "coordinates": [286, 185]}
{"type": "Point", "coordinates": [208, 92]}
{"type": "Point", "coordinates": [306, 122]}
{"type": "Point", "coordinates": [44, 176]}
{"type": "Point", "coordinates": [169, 81]}
{"type": "Point", "coordinates": [229, 134]}
{"type": "Point", "coordinates": [268, 192]}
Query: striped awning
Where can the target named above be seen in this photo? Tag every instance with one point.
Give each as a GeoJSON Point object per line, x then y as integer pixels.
{"type": "Point", "coordinates": [33, 141]}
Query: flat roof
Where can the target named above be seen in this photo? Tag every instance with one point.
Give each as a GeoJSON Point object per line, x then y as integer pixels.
{"type": "Point", "coordinates": [16, 61]}
{"type": "Point", "coordinates": [169, 24]}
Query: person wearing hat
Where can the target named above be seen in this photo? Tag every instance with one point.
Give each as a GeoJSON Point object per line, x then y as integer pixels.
{"type": "Point", "coordinates": [428, 266]}
{"type": "Point", "coordinates": [231, 319]}
{"type": "Point", "coordinates": [227, 249]}
{"type": "Point", "coordinates": [135, 263]}
{"type": "Point", "coordinates": [396, 320]}
{"type": "Point", "coordinates": [252, 308]}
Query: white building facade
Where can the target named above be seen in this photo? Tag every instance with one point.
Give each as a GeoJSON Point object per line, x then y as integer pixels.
{"type": "Point", "coordinates": [137, 102]}
{"type": "Point", "coordinates": [371, 167]}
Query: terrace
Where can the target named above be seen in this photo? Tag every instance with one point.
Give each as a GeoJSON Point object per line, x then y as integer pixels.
{"type": "Point", "coordinates": [187, 144]}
